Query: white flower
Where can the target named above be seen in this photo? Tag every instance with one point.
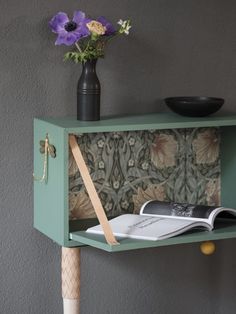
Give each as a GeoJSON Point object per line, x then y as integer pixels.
{"type": "Point", "coordinates": [125, 204]}
{"type": "Point", "coordinates": [126, 31]}
{"type": "Point", "coordinates": [125, 26]}
{"type": "Point", "coordinates": [116, 135]}
{"type": "Point", "coordinates": [116, 185]}
{"type": "Point", "coordinates": [145, 165]}
{"type": "Point", "coordinates": [101, 164]}
{"type": "Point", "coordinates": [131, 163]}
{"type": "Point", "coordinates": [100, 143]}
{"type": "Point", "coordinates": [131, 141]}
{"type": "Point", "coordinates": [121, 22]}
{"type": "Point", "coordinates": [108, 206]}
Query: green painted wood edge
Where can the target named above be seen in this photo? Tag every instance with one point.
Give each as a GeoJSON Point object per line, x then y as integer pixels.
{"type": "Point", "coordinates": [141, 122]}
{"type": "Point", "coordinates": [228, 166]}
{"type": "Point", "coordinates": [99, 241]}
{"type": "Point", "coordinates": [67, 242]}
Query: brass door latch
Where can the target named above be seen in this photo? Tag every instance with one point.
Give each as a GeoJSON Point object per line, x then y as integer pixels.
{"type": "Point", "coordinates": [46, 149]}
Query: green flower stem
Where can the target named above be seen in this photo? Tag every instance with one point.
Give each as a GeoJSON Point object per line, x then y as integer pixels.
{"type": "Point", "coordinates": [87, 46]}
{"type": "Point", "coordinates": [112, 36]}
{"type": "Point", "coordinates": [78, 47]}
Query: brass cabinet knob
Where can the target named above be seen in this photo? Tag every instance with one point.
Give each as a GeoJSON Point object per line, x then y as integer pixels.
{"type": "Point", "coordinates": [208, 247]}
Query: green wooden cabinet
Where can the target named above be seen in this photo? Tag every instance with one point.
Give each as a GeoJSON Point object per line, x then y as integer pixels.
{"type": "Point", "coordinates": [51, 200]}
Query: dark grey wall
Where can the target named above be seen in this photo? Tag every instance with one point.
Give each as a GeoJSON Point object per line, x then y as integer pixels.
{"type": "Point", "coordinates": [175, 48]}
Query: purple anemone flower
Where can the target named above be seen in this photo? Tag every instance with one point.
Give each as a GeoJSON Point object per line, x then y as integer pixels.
{"type": "Point", "coordinates": [69, 31]}
{"type": "Point", "coordinates": [110, 30]}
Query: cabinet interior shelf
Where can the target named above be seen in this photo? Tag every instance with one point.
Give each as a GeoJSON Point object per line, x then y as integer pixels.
{"type": "Point", "coordinates": [223, 230]}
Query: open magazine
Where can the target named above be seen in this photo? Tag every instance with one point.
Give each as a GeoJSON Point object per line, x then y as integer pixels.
{"type": "Point", "coordinates": [161, 220]}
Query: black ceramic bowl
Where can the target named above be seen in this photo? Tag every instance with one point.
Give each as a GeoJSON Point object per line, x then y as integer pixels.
{"type": "Point", "coordinates": [194, 106]}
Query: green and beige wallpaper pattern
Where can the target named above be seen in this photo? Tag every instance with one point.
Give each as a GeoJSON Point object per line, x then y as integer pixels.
{"type": "Point", "coordinates": [129, 168]}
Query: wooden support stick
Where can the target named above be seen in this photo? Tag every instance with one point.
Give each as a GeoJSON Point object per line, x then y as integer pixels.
{"type": "Point", "coordinates": [97, 205]}
{"type": "Point", "coordinates": [70, 276]}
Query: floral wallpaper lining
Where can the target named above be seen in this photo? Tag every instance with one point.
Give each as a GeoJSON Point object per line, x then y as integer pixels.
{"type": "Point", "coordinates": [129, 168]}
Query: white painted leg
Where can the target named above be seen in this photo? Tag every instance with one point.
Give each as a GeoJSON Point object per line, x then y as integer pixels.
{"type": "Point", "coordinates": [70, 306]}
{"type": "Point", "coordinates": [70, 275]}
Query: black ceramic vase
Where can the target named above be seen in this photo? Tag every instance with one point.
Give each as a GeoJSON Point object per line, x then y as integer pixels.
{"type": "Point", "coordinates": [88, 93]}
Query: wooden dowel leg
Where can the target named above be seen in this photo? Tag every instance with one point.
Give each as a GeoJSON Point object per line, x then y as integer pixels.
{"type": "Point", "coordinates": [70, 275]}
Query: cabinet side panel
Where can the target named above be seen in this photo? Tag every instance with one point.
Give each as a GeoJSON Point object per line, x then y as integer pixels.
{"type": "Point", "coordinates": [228, 166]}
{"type": "Point", "coordinates": [49, 202]}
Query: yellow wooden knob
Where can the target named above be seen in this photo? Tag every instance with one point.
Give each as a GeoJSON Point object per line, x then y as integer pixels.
{"type": "Point", "coordinates": [208, 247]}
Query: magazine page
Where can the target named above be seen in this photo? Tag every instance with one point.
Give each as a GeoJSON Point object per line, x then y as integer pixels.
{"type": "Point", "coordinates": [179, 210]}
{"type": "Point", "coordinates": [216, 212]}
{"type": "Point", "coordinates": [148, 228]}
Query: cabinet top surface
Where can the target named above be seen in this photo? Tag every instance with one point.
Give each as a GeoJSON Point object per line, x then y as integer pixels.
{"type": "Point", "coordinates": [140, 122]}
